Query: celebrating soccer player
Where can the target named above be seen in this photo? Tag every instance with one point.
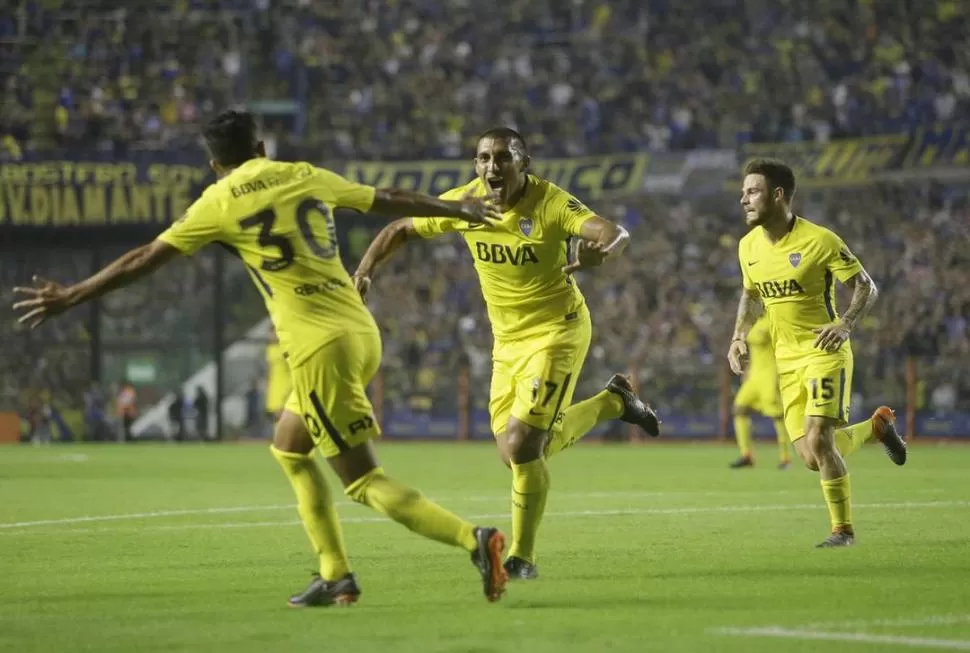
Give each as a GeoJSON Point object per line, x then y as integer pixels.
{"type": "Point", "coordinates": [788, 265]}
{"type": "Point", "coordinates": [278, 218]}
{"type": "Point", "coordinates": [759, 394]}
{"type": "Point", "coordinates": [540, 321]}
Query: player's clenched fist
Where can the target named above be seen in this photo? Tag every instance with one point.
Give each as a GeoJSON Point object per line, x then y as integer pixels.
{"type": "Point", "coordinates": [737, 355]}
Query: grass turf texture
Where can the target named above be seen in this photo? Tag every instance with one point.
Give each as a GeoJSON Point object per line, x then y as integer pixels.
{"type": "Point", "coordinates": [643, 548]}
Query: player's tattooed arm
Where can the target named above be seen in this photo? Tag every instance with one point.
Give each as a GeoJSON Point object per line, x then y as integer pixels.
{"type": "Point", "coordinates": [48, 298]}
{"type": "Point", "coordinates": [599, 239]}
{"type": "Point", "coordinates": [750, 308]}
{"type": "Point", "coordinates": [864, 293]}
{"type": "Point", "coordinates": [389, 240]}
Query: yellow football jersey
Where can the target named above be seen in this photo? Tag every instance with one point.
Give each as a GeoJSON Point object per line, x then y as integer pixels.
{"type": "Point", "coordinates": [795, 278]}
{"type": "Point", "coordinates": [278, 384]}
{"type": "Point", "coordinates": [761, 350]}
{"type": "Point", "coordinates": [278, 218]}
{"type": "Point", "coordinates": [519, 261]}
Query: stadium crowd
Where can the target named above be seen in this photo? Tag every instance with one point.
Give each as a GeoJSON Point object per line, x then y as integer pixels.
{"type": "Point", "coordinates": [417, 79]}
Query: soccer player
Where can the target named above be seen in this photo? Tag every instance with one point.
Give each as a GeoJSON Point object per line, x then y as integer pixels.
{"type": "Point", "coordinates": [759, 394]}
{"type": "Point", "coordinates": [539, 318]}
{"type": "Point", "coordinates": [278, 218]}
{"type": "Point", "coordinates": [788, 266]}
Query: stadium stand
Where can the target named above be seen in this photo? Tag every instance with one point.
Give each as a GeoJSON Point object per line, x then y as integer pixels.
{"type": "Point", "coordinates": [417, 80]}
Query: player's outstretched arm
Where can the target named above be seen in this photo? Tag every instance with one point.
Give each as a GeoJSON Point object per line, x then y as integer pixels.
{"type": "Point", "coordinates": [399, 203]}
{"type": "Point", "coordinates": [864, 293]}
{"type": "Point", "coordinates": [750, 308]}
{"type": "Point", "coordinates": [599, 240]}
{"type": "Point", "coordinates": [46, 299]}
{"type": "Point", "coordinates": [389, 240]}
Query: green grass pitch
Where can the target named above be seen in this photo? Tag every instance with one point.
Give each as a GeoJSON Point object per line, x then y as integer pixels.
{"type": "Point", "coordinates": [644, 548]}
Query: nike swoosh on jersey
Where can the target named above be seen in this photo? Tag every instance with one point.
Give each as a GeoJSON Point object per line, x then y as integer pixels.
{"type": "Point", "coordinates": [534, 413]}
{"type": "Point", "coordinates": [750, 263]}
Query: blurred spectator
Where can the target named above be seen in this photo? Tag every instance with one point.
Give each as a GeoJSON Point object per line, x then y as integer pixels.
{"type": "Point", "coordinates": [201, 407]}
{"type": "Point", "coordinates": [176, 416]}
{"type": "Point", "coordinates": [126, 407]}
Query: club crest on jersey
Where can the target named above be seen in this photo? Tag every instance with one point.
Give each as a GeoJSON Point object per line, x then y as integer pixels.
{"type": "Point", "coordinates": [525, 224]}
{"type": "Point", "coordinates": [795, 259]}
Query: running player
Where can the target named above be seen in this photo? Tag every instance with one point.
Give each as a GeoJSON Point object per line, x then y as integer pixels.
{"type": "Point", "coordinates": [759, 394]}
{"type": "Point", "coordinates": [788, 266]}
{"type": "Point", "coordinates": [278, 218]}
{"type": "Point", "coordinates": [539, 318]}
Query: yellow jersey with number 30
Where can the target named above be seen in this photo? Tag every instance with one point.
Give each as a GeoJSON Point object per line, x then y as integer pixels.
{"type": "Point", "coordinates": [519, 261]}
{"type": "Point", "coordinates": [795, 279]}
{"type": "Point", "coordinates": [278, 218]}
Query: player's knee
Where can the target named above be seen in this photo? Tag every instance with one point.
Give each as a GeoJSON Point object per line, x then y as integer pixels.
{"type": "Point", "coordinates": [505, 457]}
{"type": "Point", "coordinates": [818, 442]}
{"type": "Point", "coordinates": [524, 443]}
{"type": "Point", "coordinates": [290, 434]}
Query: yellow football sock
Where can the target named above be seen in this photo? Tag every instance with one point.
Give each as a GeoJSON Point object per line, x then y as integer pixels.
{"type": "Point", "coordinates": [836, 492]}
{"type": "Point", "coordinates": [784, 455]}
{"type": "Point", "coordinates": [742, 432]}
{"type": "Point", "coordinates": [317, 511]}
{"type": "Point", "coordinates": [530, 486]}
{"type": "Point", "coordinates": [408, 507]}
{"type": "Point", "coordinates": [579, 419]}
{"type": "Point", "coordinates": [851, 438]}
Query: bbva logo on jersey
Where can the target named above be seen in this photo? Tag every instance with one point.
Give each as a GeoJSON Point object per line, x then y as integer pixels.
{"type": "Point", "coordinates": [784, 288]}
{"type": "Point", "coordinates": [496, 253]}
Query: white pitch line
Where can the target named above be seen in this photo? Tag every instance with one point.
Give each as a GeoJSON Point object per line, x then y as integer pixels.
{"type": "Point", "coordinates": [471, 499]}
{"type": "Point", "coordinates": [143, 515]}
{"type": "Point", "coordinates": [620, 512]}
{"type": "Point", "coordinates": [931, 620]}
{"type": "Point", "coordinates": [867, 638]}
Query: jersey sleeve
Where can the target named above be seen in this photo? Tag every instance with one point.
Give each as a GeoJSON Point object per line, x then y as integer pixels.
{"type": "Point", "coordinates": [568, 211]}
{"type": "Point", "coordinates": [431, 227]}
{"type": "Point", "coordinates": [347, 194]}
{"type": "Point", "coordinates": [840, 261]}
{"type": "Point", "coordinates": [742, 255]}
{"type": "Point", "coordinates": [200, 225]}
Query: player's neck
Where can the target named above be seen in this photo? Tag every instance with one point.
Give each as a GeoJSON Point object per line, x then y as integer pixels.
{"type": "Point", "coordinates": [778, 226]}
{"type": "Point", "coordinates": [516, 196]}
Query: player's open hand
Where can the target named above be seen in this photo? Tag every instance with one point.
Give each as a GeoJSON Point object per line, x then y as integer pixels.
{"type": "Point", "coordinates": [361, 283]}
{"type": "Point", "coordinates": [586, 254]}
{"type": "Point", "coordinates": [45, 299]}
{"type": "Point", "coordinates": [479, 210]}
{"type": "Point", "coordinates": [831, 336]}
{"type": "Point", "coordinates": [738, 356]}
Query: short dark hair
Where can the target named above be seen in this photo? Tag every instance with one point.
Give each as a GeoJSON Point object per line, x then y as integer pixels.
{"type": "Point", "coordinates": [776, 172]}
{"type": "Point", "coordinates": [505, 133]}
{"type": "Point", "coordinates": [231, 137]}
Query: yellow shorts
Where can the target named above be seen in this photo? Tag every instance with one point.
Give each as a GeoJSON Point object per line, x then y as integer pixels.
{"type": "Point", "coordinates": [534, 379]}
{"type": "Point", "coordinates": [330, 392]}
{"type": "Point", "coordinates": [823, 388]}
{"type": "Point", "coordinates": [760, 394]}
